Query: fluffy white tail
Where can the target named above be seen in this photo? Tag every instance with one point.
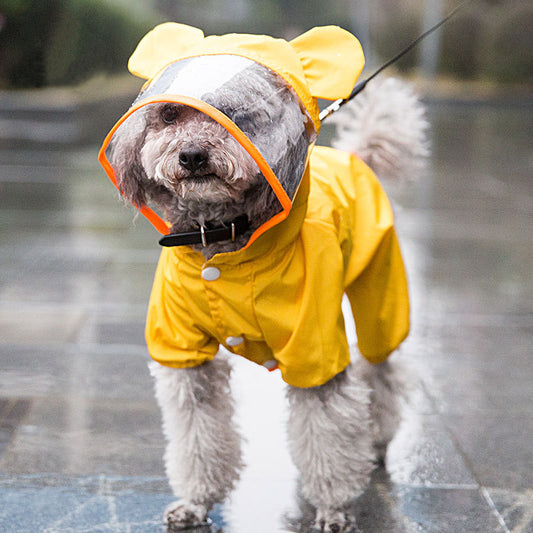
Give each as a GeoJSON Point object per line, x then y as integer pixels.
{"type": "Point", "coordinates": [385, 125]}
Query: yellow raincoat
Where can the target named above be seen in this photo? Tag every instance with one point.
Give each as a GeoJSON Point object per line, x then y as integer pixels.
{"type": "Point", "coordinates": [277, 301]}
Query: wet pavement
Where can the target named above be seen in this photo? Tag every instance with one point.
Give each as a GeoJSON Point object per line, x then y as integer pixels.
{"type": "Point", "coordinates": [80, 439]}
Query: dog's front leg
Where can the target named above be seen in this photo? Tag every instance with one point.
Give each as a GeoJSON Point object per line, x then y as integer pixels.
{"type": "Point", "coordinates": [331, 444]}
{"type": "Point", "coordinates": [203, 454]}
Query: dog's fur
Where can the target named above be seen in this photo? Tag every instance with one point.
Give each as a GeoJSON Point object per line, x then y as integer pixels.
{"type": "Point", "coordinates": [337, 431]}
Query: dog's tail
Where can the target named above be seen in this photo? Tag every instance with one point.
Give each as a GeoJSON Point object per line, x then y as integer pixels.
{"type": "Point", "coordinates": [385, 125]}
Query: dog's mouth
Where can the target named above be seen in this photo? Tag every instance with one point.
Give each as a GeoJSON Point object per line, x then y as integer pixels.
{"type": "Point", "coordinates": [200, 179]}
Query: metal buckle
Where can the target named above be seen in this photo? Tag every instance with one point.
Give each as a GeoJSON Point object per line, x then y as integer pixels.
{"type": "Point", "coordinates": [202, 233]}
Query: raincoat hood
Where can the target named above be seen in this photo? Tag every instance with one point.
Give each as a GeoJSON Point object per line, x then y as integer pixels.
{"type": "Point", "coordinates": [263, 90]}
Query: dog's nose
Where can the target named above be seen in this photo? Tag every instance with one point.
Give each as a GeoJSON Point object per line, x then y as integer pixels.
{"type": "Point", "coordinates": [193, 158]}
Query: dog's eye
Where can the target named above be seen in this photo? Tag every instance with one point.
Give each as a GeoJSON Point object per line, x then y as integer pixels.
{"type": "Point", "coordinates": [169, 114]}
{"type": "Point", "coordinates": [244, 121]}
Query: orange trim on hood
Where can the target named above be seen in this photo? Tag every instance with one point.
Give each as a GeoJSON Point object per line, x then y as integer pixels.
{"type": "Point", "coordinates": [234, 130]}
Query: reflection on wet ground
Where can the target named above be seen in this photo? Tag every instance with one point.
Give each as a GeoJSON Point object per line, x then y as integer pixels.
{"type": "Point", "coordinates": [80, 439]}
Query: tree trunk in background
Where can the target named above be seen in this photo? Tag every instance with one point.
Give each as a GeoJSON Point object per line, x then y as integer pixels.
{"type": "Point", "coordinates": [430, 47]}
{"type": "Point", "coordinates": [360, 21]}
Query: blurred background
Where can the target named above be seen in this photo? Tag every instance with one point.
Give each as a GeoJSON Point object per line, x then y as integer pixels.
{"type": "Point", "coordinates": [65, 42]}
{"type": "Point", "coordinates": [72, 44]}
{"type": "Point", "coordinates": [80, 436]}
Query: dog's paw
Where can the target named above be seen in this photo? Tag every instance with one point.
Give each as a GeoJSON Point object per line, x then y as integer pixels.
{"type": "Point", "coordinates": [182, 515]}
{"type": "Point", "coordinates": [328, 521]}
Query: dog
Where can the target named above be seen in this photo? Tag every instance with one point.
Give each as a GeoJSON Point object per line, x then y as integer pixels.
{"type": "Point", "coordinates": [187, 164]}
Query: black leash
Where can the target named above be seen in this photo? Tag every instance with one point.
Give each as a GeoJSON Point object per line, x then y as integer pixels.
{"type": "Point", "coordinates": [335, 106]}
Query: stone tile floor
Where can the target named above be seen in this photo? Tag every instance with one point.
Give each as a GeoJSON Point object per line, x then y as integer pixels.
{"type": "Point", "coordinates": [80, 437]}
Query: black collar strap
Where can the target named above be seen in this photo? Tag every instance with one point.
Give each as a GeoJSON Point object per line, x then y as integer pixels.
{"type": "Point", "coordinates": [203, 236]}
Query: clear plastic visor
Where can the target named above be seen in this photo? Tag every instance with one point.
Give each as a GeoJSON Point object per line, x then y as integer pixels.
{"type": "Point", "coordinates": [253, 103]}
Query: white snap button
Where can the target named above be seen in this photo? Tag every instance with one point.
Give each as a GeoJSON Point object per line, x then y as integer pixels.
{"type": "Point", "coordinates": [234, 341]}
{"type": "Point", "coordinates": [272, 363]}
{"type": "Point", "coordinates": [210, 273]}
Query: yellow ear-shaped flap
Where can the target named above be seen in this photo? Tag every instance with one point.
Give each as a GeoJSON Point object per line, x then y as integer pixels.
{"type": "Point", "coordinates": [161, 46]}
{"type": "Point", "coordinates": [332, 59]}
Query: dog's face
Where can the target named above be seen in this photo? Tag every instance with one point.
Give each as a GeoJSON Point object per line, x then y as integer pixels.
{"type": "Point", "coordinates": [194, 157]}
{"type": "Point", "coordinates": [192, 168]}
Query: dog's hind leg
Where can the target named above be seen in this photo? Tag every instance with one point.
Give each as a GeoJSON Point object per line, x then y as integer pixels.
{"type": "Point", "coordinates": [391, 383]}
{"type": "Point", "coordinates": [203, 454]}
{"type": "Point", "coordinates": [331, 444]}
